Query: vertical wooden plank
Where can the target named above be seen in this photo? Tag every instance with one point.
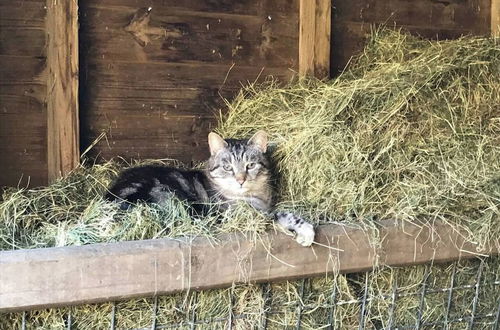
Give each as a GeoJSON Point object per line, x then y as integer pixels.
{"type": "Point", "coordinates": [62, 88]}
{"type": "Point", "coordinates": [322, 41]}
{"type": "Point", "coordinates": [495, 18]}
{"type": "Point", "coordinates": [314, 38]}
{"type": "Point", "coordinates": [307, 31]}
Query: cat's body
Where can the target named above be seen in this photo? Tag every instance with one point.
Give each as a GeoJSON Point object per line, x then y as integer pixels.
{"type": "Point", "coordinates": [237, 170]}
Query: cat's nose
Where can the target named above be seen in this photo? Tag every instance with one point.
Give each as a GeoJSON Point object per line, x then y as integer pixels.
{"type": "Point", "coordinates": [240, 179]}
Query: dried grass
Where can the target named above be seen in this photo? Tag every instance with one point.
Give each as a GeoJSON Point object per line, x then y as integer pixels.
{"type": "Point", "coordinates": [409, 132]}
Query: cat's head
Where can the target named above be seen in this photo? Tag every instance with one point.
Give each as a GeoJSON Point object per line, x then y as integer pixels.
{"type": "Point", "coordinates": [239, 167]}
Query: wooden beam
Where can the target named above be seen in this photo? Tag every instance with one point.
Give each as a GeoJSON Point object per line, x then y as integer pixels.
{"type": "Point", "coordinates": [495, 18]}
{"type": "Point", "coordinates": [62, 88]}
{"type": "Point", "coordinates": [63, 276]}
{"type": "Point", "coordinates": [314, 38]}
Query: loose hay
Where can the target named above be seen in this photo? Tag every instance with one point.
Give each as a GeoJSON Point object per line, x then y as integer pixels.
{"type": "Point", "coordinates": [409, 132]}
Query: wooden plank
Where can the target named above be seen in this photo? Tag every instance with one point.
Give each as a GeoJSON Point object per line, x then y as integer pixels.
{"type": "Point", "coordinates": [62, 99]}
{"type": "Point", "coordinates": [23, 78]}
{"type": "Point", "coordinates": [175, 108]}
{"type": "Point", "coordinates": [191, 37]}
{"type": "Point", "coordinates": [107, 272]}
{"type": "Point", "coordinates": [22, 14]}
{"type": "Point", "coordinates": [20, 41]}
{"type": "Point", "coordinates": [314, 38]}
{"type": "Point", "coordinates": [153, 102]}
{"type": "Point", "coordinates": [349, 39]}
{"type": "Point", "coordinates": [128, 75]}
{"type": "Point", "coordinates": [27, 70]}
{"type": "Point", "coordinates": [495, 18]}
{"type": "Point", "coordinates": [160, 136]}
{"type": "Point", "coordinates": [244, 7]}
{"type": "Point", "coordinates": [470, 15]}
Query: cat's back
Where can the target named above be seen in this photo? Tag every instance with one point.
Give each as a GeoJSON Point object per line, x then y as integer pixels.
{"type": "Point", "coordinates": [154, 183]}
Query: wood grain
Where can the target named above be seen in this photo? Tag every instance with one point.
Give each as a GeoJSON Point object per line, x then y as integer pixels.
{"type": "Point", "coordinates": [147, 72]}
{"type": "Point", "coordinates": [495, 18]}
{"type": "Point", "coordinates": [23, 78]}
{"type": "Point", "coordinates": [107, 272]}
{"type": "Point", "coordinates": [314, 38]}
{"type": "Point", "coordinates": [353, 20]}
{"type": "Point", "coordinates": [63, 151]}
{"type": "Point", "coordinates": [244, 7]}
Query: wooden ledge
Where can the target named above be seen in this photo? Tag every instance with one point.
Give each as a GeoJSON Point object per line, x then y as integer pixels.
{"type": "Point", "coordinates": [40, 278]}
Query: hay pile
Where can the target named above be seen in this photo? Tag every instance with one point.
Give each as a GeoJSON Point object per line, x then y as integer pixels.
{"type": "Point", "coordinates": [410, 132]}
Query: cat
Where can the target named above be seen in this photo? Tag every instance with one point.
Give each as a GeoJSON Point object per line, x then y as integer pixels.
{"type": "Point", "coordinates": [237, 170]}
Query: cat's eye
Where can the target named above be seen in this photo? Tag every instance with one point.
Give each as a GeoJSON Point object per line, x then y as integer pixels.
{"type": "Point", "coordinates": [227, 167]}
{"type": "Point", "coordinates": [251, 165]}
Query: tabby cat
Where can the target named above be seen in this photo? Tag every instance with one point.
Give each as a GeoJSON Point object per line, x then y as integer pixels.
{"type": "Point", "coordinates": [237, 170]}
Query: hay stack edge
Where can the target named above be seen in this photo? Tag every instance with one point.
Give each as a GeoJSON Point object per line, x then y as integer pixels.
{"type": "Point", "coordinates": [411, 131]}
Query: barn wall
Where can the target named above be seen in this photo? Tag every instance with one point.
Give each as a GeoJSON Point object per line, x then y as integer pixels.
{"type": "Point", "coordinates": [436, 19]}
{"type": "Point", "coordinates": [22, 92]}
{"type": "Point", "coordinates": [155, 85]}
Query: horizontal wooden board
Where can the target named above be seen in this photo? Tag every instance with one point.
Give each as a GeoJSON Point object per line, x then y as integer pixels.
{"type": "Point", "coordinates": [154, 81]}
{"type": "Point", "coordinates": [191, 37]}
{"type": "Point", "coordinates": [22, 69]}
{"type": "Point", "coordinates": [470, 15]}
{"type": "Point", "coordinates": [108, 272]}
{"type": "Point", "coordinates": [22, 99]}
{"type": "Point", "coordinates": [22, 41]}
{"type": "Point", "coordinates": [26, 13]}
{"type": "Point", "coordinates": [138, 136]}
{"type": "Point", "coordinates": [175, 75]}
{"type": "Point", "coordinates": [23, 159]}
{"type": "Point", "coordinates": [353, 20]}
{"type": "Point", "coordinates": [159, 110]}
{"type": "Point", "coordinates": [32, 177]}
{"type": "Point", "coordinates": [349, 39]}
{"type": "Point", "coordinates": [246, 7]}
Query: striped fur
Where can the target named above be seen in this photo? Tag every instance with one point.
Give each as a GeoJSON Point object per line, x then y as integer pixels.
{"type": "Point", "coordinates": [236, 170]}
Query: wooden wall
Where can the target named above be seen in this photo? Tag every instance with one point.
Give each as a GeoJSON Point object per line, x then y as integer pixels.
{"type": "Point", "coordinates": [436, 19]}
{"type": "Point", "coordinates": [23, 128]}
{"type": "Point", "coordinates": [153, 81]}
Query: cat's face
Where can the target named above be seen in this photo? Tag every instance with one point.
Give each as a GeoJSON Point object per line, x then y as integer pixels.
{"type": "Point", "coordinates": [239, 167]}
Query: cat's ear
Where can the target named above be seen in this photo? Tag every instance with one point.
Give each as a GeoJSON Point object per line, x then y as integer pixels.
{"type": "Point", "coordinates": [259, 140]}
{"type": "Point", "coordinates": [216, 143]}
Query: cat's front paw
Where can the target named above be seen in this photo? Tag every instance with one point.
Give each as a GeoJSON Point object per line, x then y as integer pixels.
{"type": "Point", "coordinates": [305, 234]}
{"type": "Point", "coordinates": [303, 230]}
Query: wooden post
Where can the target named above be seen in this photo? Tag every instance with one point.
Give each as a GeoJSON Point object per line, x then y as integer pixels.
{"type": "Point", "coordinates": [314, 38]}
{"type": "Point", "coordinates": [41, 278]}
{"type": "Point", "coordinates": [62, 87]}
{"type": "Point", "coordinates": [495, 18]}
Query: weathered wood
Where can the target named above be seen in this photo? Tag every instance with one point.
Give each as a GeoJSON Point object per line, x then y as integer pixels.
{"type": "Point", "coordinates": [106, 272]}
{"type": "Point", "coordinates": [23, 78]}
{"type": "Point", "coordinates": [495, 18]}
{"type": "Point", "coordinates": [470, 15]}
{"type": "Point", "coordinates": [176, 109]}
{"type": "Point", "coordinates": [165, 135]}
{"type": "Point", "coordinates": [353, 20]}
{"type": "Point", "coordinates": [189, 37]}
{"type": "Point", "coordinates": [314, 38]}
{"type": "Point", "coordinates": [243, 7]}
{"type": "Point", "coordinates": [166, 69]}
{"type": "Point", "coordinates": [23, 14]}
{"type": "Point", "coordinates": [20, 41]}
{"type": "Point", "coordinates": [63, 150]}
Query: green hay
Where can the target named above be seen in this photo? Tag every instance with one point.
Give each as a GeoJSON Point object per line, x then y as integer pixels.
{"type": "Point", "coordinates": [409, 132]}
